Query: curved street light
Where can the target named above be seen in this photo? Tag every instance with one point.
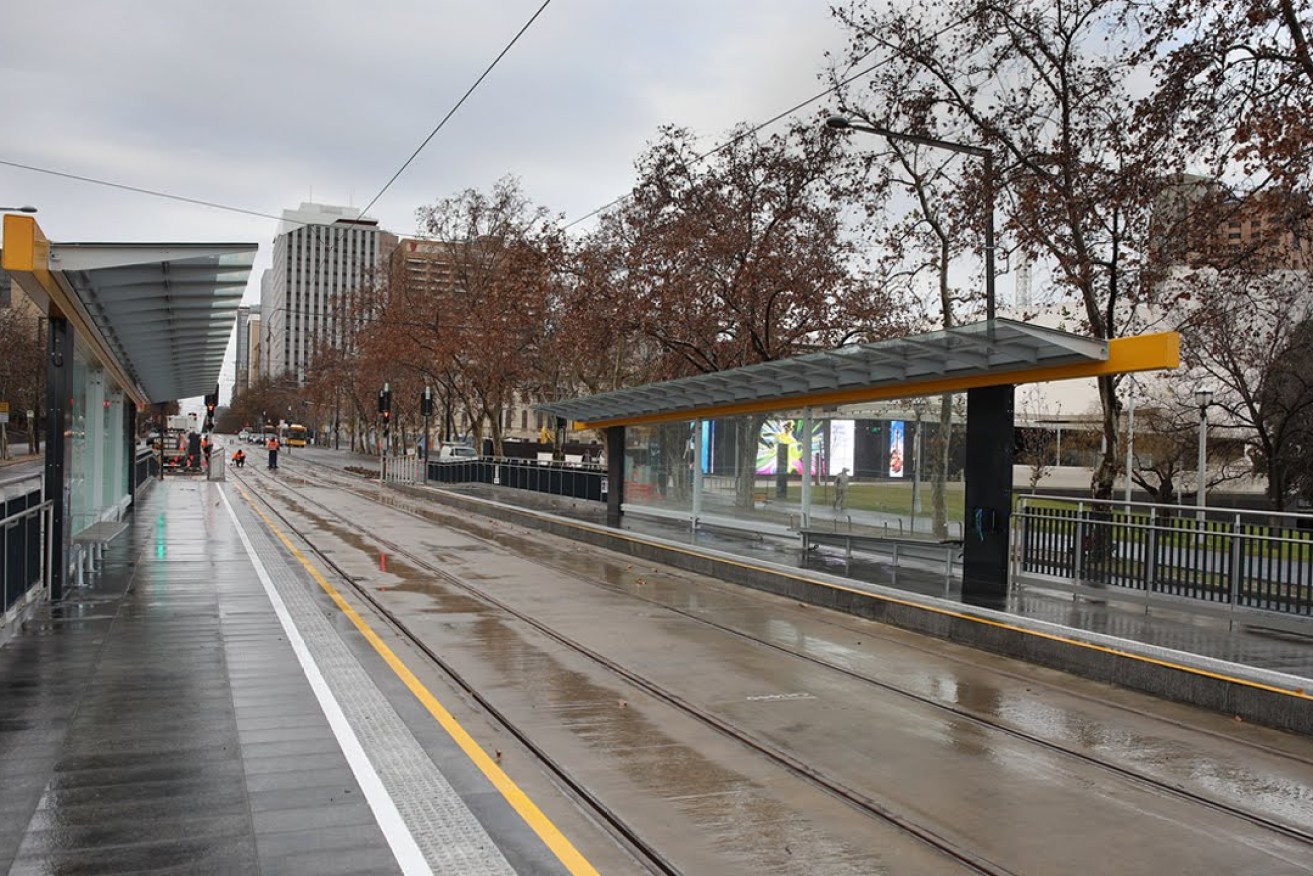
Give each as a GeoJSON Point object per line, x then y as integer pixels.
{"type": "Point", "coordinates": [843, 123]}
{"type": "Point", "coordinates": [24, 209]}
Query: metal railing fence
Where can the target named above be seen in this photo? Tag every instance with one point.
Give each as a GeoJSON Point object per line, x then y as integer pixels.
{"type": "Point", "coordinates": [146, 466]}
{"type": "Point", "coordinates": [24, 560]}
{"type": "Point", "coordinates": [1257, 560]}
{"type": "Point", "coordinates": [567, 479]}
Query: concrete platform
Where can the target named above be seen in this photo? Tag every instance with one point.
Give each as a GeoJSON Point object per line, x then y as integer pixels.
{"type": "Point", "coordinates": [195, 709]}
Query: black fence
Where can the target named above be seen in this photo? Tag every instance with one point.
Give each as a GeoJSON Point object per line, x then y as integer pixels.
{"type": "Point", "coordinates": [22, 518]}
{"type": "Point", "coordinates": [570, 480]}
{"type": "Point", "coordinates": [1244, 560]}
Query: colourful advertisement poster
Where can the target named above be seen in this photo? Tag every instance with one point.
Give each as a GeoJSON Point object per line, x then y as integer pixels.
{"type": "Point", "coordinates": [842, 434]}
{"type": "Point", "coordinates": [896, 449]}
{"type": "Point", "coordinates": [788, 433]}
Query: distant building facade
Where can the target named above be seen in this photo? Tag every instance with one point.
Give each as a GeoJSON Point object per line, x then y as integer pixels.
{"type": "Point", "coordinates": [323, 256]}
{"type": "Point", "coordinates": [430, 270]}
{"type": "Point", "coordinates": [243, 379]}
{"type": "Point", "coordinates": [253, 347]}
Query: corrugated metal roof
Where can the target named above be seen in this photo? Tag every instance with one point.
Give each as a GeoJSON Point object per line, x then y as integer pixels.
{"type": "Point", "coordinates": [165, 310]}
{"type": "Point", "coordinates": [991, 347]}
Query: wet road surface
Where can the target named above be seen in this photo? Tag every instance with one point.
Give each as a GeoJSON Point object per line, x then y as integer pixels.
{"type": "Point", "coordinates": [1026, 767]}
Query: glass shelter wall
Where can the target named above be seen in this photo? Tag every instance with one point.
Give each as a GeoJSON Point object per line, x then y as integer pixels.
{"type": "Point", "coordinates": [98, 469]}
{"type": "Point", "coordinates": [868, 467]}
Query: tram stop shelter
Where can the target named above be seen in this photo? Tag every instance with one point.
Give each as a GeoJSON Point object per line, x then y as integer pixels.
{"type": "Point", "coordinates": [128, 325]}
{"type": "Point", "coordinates": [986, 360]}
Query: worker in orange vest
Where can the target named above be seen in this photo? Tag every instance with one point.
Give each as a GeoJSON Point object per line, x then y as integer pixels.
{"type": "Point", "coordinates": [272, 447]}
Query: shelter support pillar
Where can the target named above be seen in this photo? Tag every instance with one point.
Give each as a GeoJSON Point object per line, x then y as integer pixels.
{"type": "Point", "coordinates": [59, 391]}
{"type": "Point", "coordinates": [697, 473]}
{"type": "Point", "coordinates": [615, 473]}
{"type": "Point", "coordinates": [988, 495]}
{"type": "Point", "coordinates": [130, 448]}
{"type": "Point", "coordinates": [805, 501]}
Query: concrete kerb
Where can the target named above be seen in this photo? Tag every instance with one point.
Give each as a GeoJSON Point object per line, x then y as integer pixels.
{"type": "Point", "coordinates": [1259, 696]}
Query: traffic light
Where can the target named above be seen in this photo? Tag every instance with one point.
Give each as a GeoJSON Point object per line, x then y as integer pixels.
{"type": "Point", "coordinates": [385, 400]}
{"type": "Point", "coordinates": [212, 401]}
{"type": "Point", "coordinates": [426, 402]}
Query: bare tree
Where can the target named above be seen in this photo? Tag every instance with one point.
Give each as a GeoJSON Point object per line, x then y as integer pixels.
{"type": "Point", "coordinates": [1235, 77]}
{"type": "Point", "coordinates": [1048, 87]}
{"type": "Point", "coordinates": [733, 259]}
{"type": "Point", "coordinates": [1239, 334]}
{"type": "Point", "coordinates": [22, 368]}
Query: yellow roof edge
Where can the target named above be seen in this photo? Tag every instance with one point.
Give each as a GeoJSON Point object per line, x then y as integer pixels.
{"type": "Point", "coordinates": [1155, 352]}
{"type": "Point", "coordinates": [26, 257]}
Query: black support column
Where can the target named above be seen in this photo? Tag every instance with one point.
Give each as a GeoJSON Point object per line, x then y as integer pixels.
{"type": "Point", "coordinates": [988, 495]}
{"type": "Point", "coordinates": [615, 473]}
{"type": "Point", "coordinates": [130, 442]}
{"type": "Point", "coordinates": [59, 394]}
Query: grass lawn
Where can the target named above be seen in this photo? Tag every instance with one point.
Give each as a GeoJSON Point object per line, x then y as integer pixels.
{"type": "Point", "coordinates": [884, 496]}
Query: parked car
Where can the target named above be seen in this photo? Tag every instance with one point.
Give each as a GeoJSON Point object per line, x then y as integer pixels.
{"type": "Point", "coordinates": [457, 452]}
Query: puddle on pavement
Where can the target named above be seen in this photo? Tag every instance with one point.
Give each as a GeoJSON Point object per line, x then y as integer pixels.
{"type": "Point", "coordinates": [748, 821]}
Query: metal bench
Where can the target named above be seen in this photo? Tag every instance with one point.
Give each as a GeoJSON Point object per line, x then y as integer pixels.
{"type": "Point", "coordinates": [945, 551]}
{"type": "Point", "coordinates": [94, 538]}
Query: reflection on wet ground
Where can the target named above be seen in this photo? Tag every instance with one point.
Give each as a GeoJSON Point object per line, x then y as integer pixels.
{"type": "Point", "coordinates": [736, 815]}
{"type": "Point", "coordinates": [663, 766]}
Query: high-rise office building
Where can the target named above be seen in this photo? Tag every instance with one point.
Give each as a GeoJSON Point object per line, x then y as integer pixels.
{"type": "Point", "coordinates": [253, 367]}
{"type": "Point", "coordinates": [325, 257]}
{"type": "Point", "coordinates": [243, 350]}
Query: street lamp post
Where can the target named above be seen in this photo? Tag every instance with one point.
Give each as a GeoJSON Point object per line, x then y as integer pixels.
{"type": "Point", "coordinates": [843, 123]}
{"type": "Point", "coordinates": [988, 466]}
{"type": "Point", "coordinates": [918, 408]}
{"type": "Point", "coordinates": [1130, 438]}
{"type": "Point", "coordinates": [1203, 398]}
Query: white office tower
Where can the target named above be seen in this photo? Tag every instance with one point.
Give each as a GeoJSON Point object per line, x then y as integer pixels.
{"type": "Point", "coordinates": [325, 257]}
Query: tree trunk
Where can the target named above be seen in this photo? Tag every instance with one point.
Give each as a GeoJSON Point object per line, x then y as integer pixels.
{"type": "Point", "coordinates": [939, 466]}
{"type": "Point", "coordinates": [1106, 472]}
{"type": "Point", "coordinates": [747, 432]}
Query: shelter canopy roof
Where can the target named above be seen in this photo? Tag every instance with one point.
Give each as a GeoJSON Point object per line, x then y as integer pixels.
{"type": "Point", "coordinates": [989, 353]}
{"type": "Point", "coordinates": [159, 313]}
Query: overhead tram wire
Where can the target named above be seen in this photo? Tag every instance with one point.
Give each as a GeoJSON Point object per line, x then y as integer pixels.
{"type": "Point", "coordinates": [772, 120]}
{"type": "Point", "coordinates": [242, 210]}
{"type": "Point", "coordinates": [137, 189]}
{"type": "Point", "coordinates": [328, 250]}
{"type": "Point", "coordinates": [451, 112]}
{"type": "Point", "coordinates": [459, 103]}
{"type": "Point", "coordinates": [702, 157]}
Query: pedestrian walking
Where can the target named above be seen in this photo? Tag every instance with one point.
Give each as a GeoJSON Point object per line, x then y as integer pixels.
{"type": "Point", "coordinates": [841, 490]}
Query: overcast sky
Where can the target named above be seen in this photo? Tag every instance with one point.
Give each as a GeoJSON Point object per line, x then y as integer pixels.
{"type": "Point", "coordinates": [263, 104]}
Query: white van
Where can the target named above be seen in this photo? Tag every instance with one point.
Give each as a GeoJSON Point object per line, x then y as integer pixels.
{"type": "Point", "coordinates": [457, 451]}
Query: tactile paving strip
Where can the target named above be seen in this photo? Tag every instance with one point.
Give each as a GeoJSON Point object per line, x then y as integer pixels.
{"type": "Point", "coordinates": [450, 837]}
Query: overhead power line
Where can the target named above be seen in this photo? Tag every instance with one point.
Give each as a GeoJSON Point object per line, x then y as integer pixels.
{"type": "Point", "coordinates": [451, 112]}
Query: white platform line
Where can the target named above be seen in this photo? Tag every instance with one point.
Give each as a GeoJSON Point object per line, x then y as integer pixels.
{"type": "Point", "coordinates": [399, 837]}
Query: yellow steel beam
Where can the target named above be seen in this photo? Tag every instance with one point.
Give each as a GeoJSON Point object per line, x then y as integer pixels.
{"type": "Point", "coordinates": [1154, 352]}
{"type": "Point", "coordinates": [26, 257]}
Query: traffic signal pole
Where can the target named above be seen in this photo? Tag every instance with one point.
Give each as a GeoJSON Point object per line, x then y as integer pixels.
{"type": "Point", "coordinates": [385, 411]}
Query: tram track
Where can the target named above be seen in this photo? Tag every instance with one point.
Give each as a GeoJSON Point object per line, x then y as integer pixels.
{"type": "Point", "coordinates": [972, 861]}
{"type": "Point", "coordinates": [784, 758]}
{"type": "Point", "coordinates": [642, 851]}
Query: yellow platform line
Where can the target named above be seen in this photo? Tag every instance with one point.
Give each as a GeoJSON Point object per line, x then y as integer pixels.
{"type": "Point", "coordinates": [539, 823]}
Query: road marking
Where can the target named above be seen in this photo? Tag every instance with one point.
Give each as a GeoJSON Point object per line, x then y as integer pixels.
{"type": "Point", "coordinates": [774, 698]}
{"type": "Point", "coordinates": [404, 848]}
{"type": "Point", "coordinates": [548, 832]}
